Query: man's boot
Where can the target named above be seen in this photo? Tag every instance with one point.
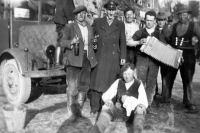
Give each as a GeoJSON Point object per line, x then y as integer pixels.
{"type": "Point", "coordinates": [102, 123]}
{"type": "Point", "coordinates": [138, 123]}
{"type": "Point", "coordinates": [81, 97]}
{"type": "Point", "coordinates": [71, 107]}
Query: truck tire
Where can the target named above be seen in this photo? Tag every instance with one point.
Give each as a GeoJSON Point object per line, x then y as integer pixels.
{"type": "Point", "coordinates": [1, 70]}
{"type": "Point", "coordinates": [17, 88]}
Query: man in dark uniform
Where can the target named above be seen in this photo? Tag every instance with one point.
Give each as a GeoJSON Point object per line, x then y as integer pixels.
{"type": "Point", "coordinates": [147, 67]}
{"type": "Point", "coordinates": [64, 14]}
{"type": "Point", "coordinates": [181, 38]}
{"type": "Point", "coordinates": [111, 52]}
{"type": "Point", "coordinates": [80, 60]}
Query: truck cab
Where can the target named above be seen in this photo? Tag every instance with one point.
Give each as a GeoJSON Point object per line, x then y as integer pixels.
{"type": "Point", "coordinates": [28, 42]}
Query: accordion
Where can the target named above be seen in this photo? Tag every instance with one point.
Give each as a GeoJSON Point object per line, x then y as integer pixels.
{"type": "Point", "coordinates": [161, 52]}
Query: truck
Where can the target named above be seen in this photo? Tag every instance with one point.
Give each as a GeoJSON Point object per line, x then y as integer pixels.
{"type": "Point", "coordinates": [28, 42]}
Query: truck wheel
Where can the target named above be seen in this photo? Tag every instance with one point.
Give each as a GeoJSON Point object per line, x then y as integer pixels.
{"type": "Point", "coordinates": [1, 70]}
{"type": "Point", "coordinates": [17, 88]}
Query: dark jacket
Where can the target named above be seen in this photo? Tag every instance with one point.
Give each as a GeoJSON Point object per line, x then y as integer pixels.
{"type": "Point", "coordinates": [64, 11]}
{"type": "Point", "coordinates": [111, 47]}
{"type": "Point", "coordinates": [70, 31]}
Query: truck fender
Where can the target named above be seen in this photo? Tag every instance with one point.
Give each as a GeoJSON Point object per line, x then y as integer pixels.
{"type": "Point", "coordinates": [23, 59]}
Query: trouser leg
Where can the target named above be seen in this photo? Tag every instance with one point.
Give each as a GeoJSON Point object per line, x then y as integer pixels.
{"type": "Point", "coordinates": [96, 101]}
{"type": "Point", "coordinates": [151, 81]}
{"type": "Point", "coordinates": [72, 81]}
{"type": "Point", "coordinates": [84, 79]}
{"type": "Point", "coordinates": [139, 119]}
{"type": "Point", "coordinates": [81, 97]}
{"type": "Point", "coordinates": [168, 82]}
{"type": "Point", "coordinates": [71, 107]}
{"type": "Point", "coordinates": [187, 72]}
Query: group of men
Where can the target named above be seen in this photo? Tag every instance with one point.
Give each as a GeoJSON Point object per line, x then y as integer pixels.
{"type": "Point", "coordinates": [107, 46]}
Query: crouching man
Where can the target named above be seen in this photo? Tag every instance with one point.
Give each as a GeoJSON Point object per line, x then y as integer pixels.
{"type": "Point", "coordinates": [125, 97]}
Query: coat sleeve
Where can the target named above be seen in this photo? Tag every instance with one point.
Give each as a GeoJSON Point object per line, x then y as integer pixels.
{"type": "Point", "coordinates": [66, 39]}
{"type": "Point", "coordinates": [122, 41]}
{"type": "Point", "coordinates": [68, 8]}
{"type": "Point", "coordinates": [137, 35]}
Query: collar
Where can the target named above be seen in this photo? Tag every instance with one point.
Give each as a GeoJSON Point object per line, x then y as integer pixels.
{"type": "Point", "coordinates": [84, 24]}
{"type": "Point", "coordinates": [109, 19]}
{"type": "Point", "coordinates": [150, 31]}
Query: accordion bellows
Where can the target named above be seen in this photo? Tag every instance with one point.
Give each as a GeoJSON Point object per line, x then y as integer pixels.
{"type": "Point", "coordinates": [161, 52]}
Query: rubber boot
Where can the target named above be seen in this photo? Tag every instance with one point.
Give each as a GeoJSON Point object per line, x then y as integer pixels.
{"type": "Point", "coordinates": [71, 107]}
{"type": "Point", "coordinates": [102, 123]}
{"type": "Point", "coordinates": [138, 123]}
{"type": "Point", "coordinates": [58, 57]}
{"type": "Point", "coordinates": [81, 97]}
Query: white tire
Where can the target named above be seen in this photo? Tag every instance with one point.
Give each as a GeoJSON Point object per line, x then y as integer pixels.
{"type": "Point", "coordinates": [17, 88]}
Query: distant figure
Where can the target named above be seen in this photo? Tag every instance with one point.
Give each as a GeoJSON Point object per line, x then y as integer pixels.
{"type": "Point", "coordinates": [162, 27]}
{"type": "Point", "coordinates": [130, 28]}
{"type": "Point", "coordinates": [64, 15]}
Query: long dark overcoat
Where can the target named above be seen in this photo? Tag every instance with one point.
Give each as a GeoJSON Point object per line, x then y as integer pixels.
{"type": "Point", "coordinates": [111, 48]}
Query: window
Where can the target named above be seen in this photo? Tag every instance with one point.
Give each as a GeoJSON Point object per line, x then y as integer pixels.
{"type": "Point", "coordinates": [25, 10]}
{"type": "Point", "coordinates": [3, 12]}
{"type": "Point", "coordinates": [140, 2]}
{"type": "Point", "coordinates": [149, 5]}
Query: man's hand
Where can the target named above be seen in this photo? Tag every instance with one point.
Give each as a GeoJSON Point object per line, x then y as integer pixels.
{"type": "Point", "coordinates": [130, 42]}
{"type": "Point", "coordinates": [124, 98]}
{"type": "Point", "coordinates": [74, 41]}
{"type": "Point", "coordinates": [123, 61]}
{"type": "Point", "coordinates": [143, 41]}
{"type": "Point", "coordinates": [109, 103]}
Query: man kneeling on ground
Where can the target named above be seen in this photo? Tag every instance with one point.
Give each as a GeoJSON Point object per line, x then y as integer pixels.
{"type": "Point", "coordinates": [125, 97]}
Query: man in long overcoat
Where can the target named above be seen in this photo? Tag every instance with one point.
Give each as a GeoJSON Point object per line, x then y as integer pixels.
{"type": "Point", "coordinates": [78, 60]}
{"type": "Point", "coordinates": [111, 52]}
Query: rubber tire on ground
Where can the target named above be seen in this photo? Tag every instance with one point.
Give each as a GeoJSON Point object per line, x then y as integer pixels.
{"type": "Point", "coordinates": [17, 88]}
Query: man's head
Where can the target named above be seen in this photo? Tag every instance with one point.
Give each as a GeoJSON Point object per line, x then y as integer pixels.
{"type": "Point", "coordinates": [111, 7]}
{"type": "Point", "coordinates": [150, 19]}
{"type": "Point", "coordinates": [80, 13]}
{"type": "Point", "coordinates": [161, 19]}
{"type": "Point", "coordinates": [128, 72]}
{"type": "Point", "coordinates": [129, 14]}
{"type": "Point", "coordinates": [184, 14]}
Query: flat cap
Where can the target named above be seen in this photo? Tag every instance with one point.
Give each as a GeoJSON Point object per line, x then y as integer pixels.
{"type": "Point", "coordinates": [111, 5]}
{"type": "Point", "coordinates": [79, 9]}
{"type": "Point", "coordinates": [161, 16]}
{"type": "Point", "coordinates": [184, 9]}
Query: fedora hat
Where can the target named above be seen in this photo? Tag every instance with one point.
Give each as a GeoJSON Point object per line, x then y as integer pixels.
{"type": "Point", "coordinates": [184, 9]}
{"type": "Point", "coordinates": [161, 16]}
